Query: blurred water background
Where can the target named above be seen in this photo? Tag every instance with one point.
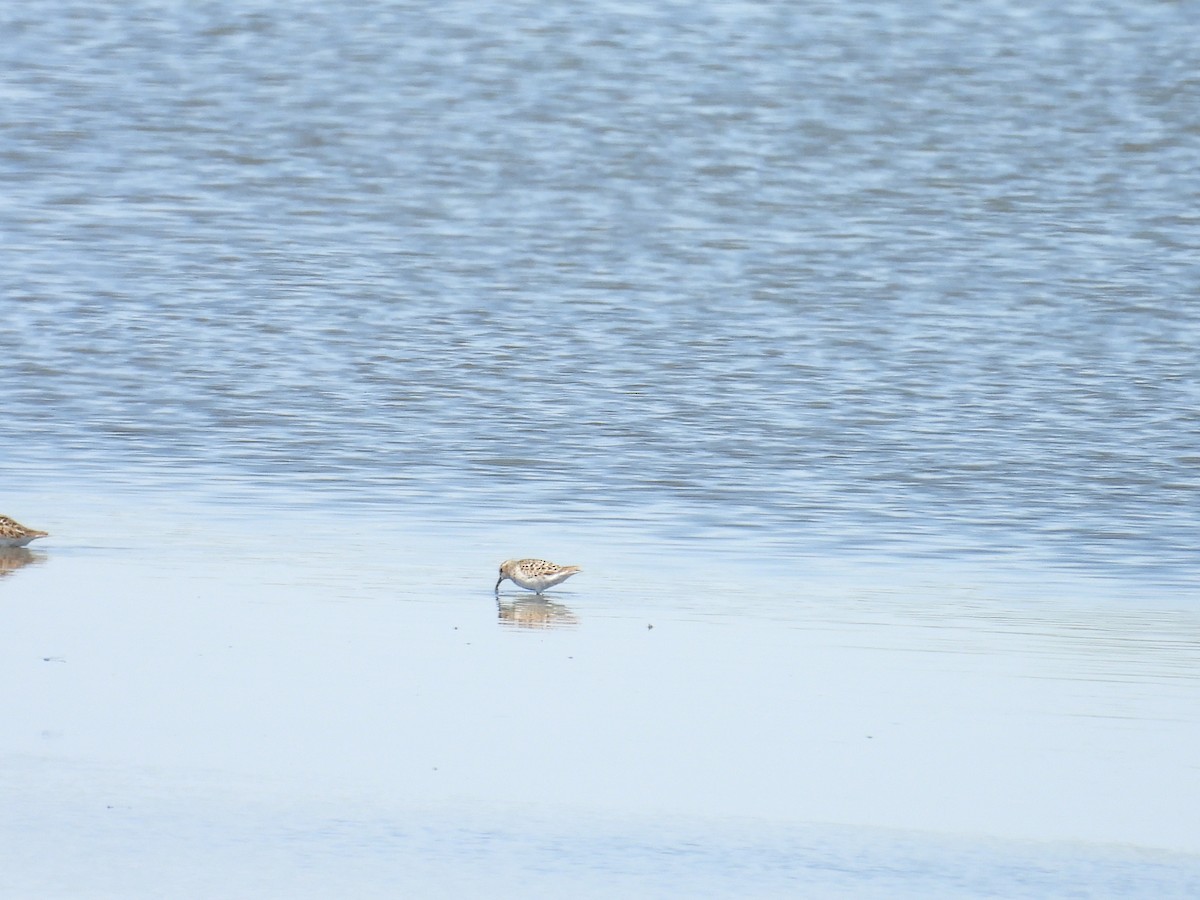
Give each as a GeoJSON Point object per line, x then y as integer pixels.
{"type": "Point", "coordinates": [786, 303]}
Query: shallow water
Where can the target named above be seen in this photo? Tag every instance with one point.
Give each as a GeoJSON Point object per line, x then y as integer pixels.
{"type": "Point", "coordinates": [850, 347]}
{"type": "Point", "coordinates": [328, 692]}
{"type": "Point", "coordinates": [269, 841]}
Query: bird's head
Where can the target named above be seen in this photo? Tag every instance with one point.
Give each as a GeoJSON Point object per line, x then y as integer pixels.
{"type": "Point", "coordinates": [506, 568]}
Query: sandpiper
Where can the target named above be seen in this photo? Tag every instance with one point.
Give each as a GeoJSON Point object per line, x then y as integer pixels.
{"type": "Point", "coordinates": [14, 534]}
{"type": "Point", "coordinates": [534, 574]}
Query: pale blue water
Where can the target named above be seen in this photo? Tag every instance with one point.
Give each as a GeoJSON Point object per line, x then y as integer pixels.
{"type": "Point", "coordinates": [777, 292]}
{"type": "Point", "coordinates": [860, 275]}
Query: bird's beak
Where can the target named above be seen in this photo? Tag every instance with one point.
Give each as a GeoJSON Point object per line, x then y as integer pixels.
{"type": "Point", "coordinates": [498, 582]}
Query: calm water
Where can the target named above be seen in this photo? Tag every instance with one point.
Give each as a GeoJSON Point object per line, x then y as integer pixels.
{"type": "Point", "coordinates": [795, 295]}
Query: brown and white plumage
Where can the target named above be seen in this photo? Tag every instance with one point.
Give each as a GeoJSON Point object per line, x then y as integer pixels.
{"type": "Point", "coordinates": [534, 574]}
{"type": "Point", "coordinates": [14, 534]}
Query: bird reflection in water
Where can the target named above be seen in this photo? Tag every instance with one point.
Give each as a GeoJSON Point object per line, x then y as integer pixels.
{"type": "Point", "coordinates": [535, 612]}
{"type": "Point", "coordinates": [13, 558]}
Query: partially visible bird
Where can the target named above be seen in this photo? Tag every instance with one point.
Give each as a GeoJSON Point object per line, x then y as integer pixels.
{"type": "Point", "coordinates": [534, 574]}
{"type": "Point", "coordinates": [14, 534]}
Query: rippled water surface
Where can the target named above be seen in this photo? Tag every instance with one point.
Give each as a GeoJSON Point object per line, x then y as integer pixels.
{"type": "Point", "coordinates": [863, 273]}
{"type": "Point", "coordinates": [778, 301]}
